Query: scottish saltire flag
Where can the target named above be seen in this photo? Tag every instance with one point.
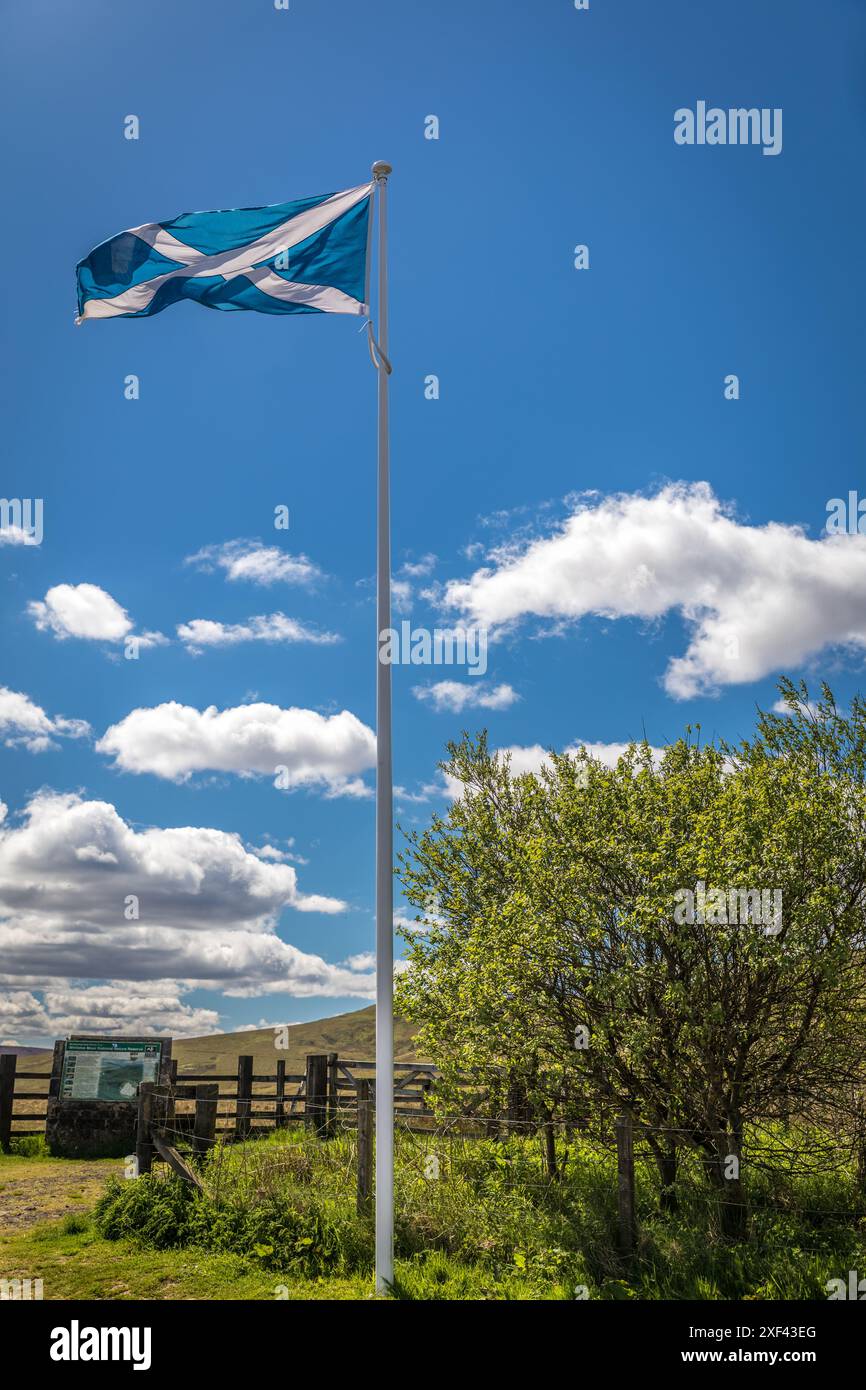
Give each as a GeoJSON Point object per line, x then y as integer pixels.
{"type": "Point", "coordinates": [306, 257]}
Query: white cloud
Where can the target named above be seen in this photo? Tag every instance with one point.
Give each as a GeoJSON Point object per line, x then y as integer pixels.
{"type": "Point", "coordinates": [73, 861]}
{"type": "Point", "coordinates": [420, 924]}
{"type": "Point", "coordinates": [756, 599]}
{"type": "Point", "coordinates": [81, 610]}
{"type": "Point", "coordinates": [26, 724]}
{"type": "Point", "coordinates": [365, 960]}
{"type": "Point", "coordinates": [404, 794]}
{"type": "Point", "coordinates": [150, 639]}
{"type": "Point", "coordinates": [207, 909]}
{"type": "Point", "coordinates": [270, 627]}
{"type": "Point", "coordinates": [283, 856]}
{"type": "Point", "coordinates": [86, 611]}
{"type": "Point", "coordinates": [316, 750]}
{"type": "Point", "coordinates": [402, 595]}
{"type": "Point", "coordinates": [17, 535]}
{"type": "Point", "coordinates": [153, 1008]}
{"type": "Point", "coordinates": [417, 568]}
{"type": "Point", "coordinates": [458, 695]}
{"type": "Point", "coordinates": [256, 563]}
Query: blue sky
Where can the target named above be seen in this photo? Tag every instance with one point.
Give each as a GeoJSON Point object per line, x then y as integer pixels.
{"type": "Point", "coordinates": [543, 480]}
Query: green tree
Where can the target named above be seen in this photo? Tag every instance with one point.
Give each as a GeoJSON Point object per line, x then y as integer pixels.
{"type": "Point", "coordinates": [556, 913]}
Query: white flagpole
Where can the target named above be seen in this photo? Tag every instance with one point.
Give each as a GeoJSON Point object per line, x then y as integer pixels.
{"type": "Point", "coordinates": [384, 798]}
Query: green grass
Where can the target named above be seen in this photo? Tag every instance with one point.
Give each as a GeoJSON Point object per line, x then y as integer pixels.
{"type": "Point", "coordinates": [30, 1146]}
{"type": "Point", "coordinates": [82, 1265]}
{"type": "Point", "coordinates": [87, 1267]}
{"type": "Point", "coordinates": [490, 1225]}
{"type": "Point", "coordinates": [278, 1221]}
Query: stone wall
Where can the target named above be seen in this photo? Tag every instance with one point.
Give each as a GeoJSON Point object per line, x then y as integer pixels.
{"type": "Point", "coordinates": [91, 1128]}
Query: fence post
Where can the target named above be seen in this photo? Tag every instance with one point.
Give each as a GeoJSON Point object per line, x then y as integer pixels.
{"type": "Point", "coordinates": [549, 1132]}
{"type": "Point", "coordinates": [56, 1069]}
{"type": "Point", "coordinates": [333, 1094]}
{"type": "Point", "coordinates": [204, 1129]}
{"type": "Point", "coordinates": [7, 1095]}
{"type": "Point", "coordinates": [365, 1146]}
{"type": "Point", "coordinates": [280, 1112]}
{"type": "Point", "coordinates": [316, 1103]}
{"type": "Point", "coordinates": [625, 1184]}
{"type": "Point", "coordinates": [244, 1101]}
{"type": "Point", "coordinates": [143, 1144]}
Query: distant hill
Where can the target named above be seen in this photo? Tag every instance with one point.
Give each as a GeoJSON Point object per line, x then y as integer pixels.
{"type": "Point", "coordinates": [8, 1051]}
{"type": "Point", "coordinates": [352, 1035]}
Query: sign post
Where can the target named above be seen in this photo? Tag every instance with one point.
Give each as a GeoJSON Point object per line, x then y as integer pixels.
{"type": "Point", "coordinates": [93, 1107]}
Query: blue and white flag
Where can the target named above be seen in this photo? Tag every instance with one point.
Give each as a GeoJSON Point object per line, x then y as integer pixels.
{"type": "Point", "coordinates": [306, 257]}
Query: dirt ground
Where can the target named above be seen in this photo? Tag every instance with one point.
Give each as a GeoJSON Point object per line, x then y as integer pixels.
{"type": "Point", "coordinates": [34, 1190]}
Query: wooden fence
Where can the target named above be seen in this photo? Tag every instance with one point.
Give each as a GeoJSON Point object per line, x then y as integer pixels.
{"type": "Point", "coordinates": [331, 1092]}
{"type": "Point", "coordinates": [247, 1102]}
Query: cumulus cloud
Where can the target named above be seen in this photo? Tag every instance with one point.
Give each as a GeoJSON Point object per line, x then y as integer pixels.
{"type": "Point", "coordinates": [81, 610]}
{"type": "Point", "coordinates": [424, 793]}
{"type": "Point", "coordinates": [364, 960]}
{"type": "Point", "coordinates": [285, 856]}
{"type": "Point", "coordinates": [256, 563]}
{"type": "Point", "coordinates": [73, 876]}
{"type": "Point", "coordinates": [72, 861]}
{"type": "Point", "coordinates": [25, 724]}
{"type": "Point", "coordinates": [460, 695]}
{"type": "Point", "coordinates": [86, 611]}
{"type": "Point", "coordinates": [113, 1007]}
{"type": "Point", "coordinates": [270, 627]}
{"type": "Point", "coordinates": [410, 924]}
{"type": "Point", "coordinates": [299, 747]}
{"type": "Point", "coordinates": [416, 569]}
{"type": "Point", "coordinates": [755, 599]}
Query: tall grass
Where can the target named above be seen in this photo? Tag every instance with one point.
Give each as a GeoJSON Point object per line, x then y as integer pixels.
{"type": "Point", "coordinates": [29, 1146]}
{"type": "Point", "coordinates": [483, 1221]}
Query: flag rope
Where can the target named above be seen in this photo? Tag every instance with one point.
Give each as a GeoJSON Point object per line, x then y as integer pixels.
{"type": "Point", "coordinates": [377, 356]}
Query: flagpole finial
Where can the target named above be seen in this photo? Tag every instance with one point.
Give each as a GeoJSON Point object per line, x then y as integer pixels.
{"type": "Point", "coordinates": [381, 169]}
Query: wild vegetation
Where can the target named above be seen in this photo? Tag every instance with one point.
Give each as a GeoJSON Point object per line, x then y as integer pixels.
{"type": "Point", "coordinates": [489, 1222]}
